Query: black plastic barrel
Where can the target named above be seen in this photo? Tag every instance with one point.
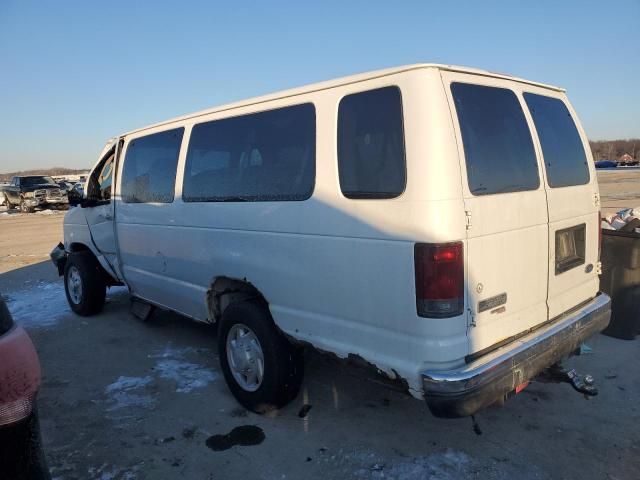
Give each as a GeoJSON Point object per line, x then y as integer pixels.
{"type": "Point", "coordinates": [621, 281]}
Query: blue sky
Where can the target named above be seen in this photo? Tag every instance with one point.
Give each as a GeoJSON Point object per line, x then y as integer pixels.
{"type": "Point", "coordinates": [76, 73]}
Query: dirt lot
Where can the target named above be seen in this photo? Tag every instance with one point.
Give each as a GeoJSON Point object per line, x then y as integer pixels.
{"type": "Point", "coordinates": [619, 188]}
{"type": "Point", "coordinates": [122, 399]}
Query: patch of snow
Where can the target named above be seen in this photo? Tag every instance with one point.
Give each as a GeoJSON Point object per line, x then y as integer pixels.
{"type": "Point", "coordinates": [9, 215]}
{"type": "Point", "coordinates": [443, 466]}
{"type": "Point", "coordinates": [187, 375]}
{"type": "Point", "coordinates": [106, 472]}
{"type": "Point", "coordinates": [122, 393]}
{"type": "Point", "coordinates": [49, 212]}
{"type": "Point", "coordinates": [40, 305]}
{"type": "Point", "coordinates": [43, 304]}
{"type": "Point", "coordinates": [447, 465]}
{"type": "Point", "coordinates": [128, 383]}
{"type": "Point", "coordinates": [171, 365]}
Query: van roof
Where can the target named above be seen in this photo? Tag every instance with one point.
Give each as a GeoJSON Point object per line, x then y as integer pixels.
{"type": "Point", "coordinates": [314, 87]}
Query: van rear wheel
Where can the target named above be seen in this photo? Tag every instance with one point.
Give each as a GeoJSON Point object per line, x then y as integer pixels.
{"type": "Point", "coordinates": [262, 369]}
{"type": "Point", "coordinates": [84, 284]}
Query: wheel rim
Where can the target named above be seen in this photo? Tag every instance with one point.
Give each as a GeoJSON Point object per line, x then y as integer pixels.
{"type": "Point", "coordinates": [74, 283]}
{"type": "Point", "coordinates": [245, 357]}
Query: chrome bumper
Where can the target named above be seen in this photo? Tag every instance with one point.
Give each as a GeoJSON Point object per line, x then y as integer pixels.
{"type": "Point", "coordinates": [52, 200]}
{"type": "Point", "coordinates": [463, 392]}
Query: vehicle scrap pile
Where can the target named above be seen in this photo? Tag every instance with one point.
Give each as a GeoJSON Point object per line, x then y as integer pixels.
{"type": "Point", "coordinates": [626, 220]}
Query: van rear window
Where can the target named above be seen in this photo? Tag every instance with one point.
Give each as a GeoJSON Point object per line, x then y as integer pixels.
{"type": "Point", "coordinates": [564, 156]}
{"type": "Point", "coordinates": [264, 156]}
{"type": "Point", "coordinates": [371, 159]}
{"type": "Point", "coordinates": [149, 173]}
{"type": "Point", "coordinates": [497, 142]}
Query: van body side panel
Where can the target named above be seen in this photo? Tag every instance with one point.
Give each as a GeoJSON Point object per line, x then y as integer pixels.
{"type": "Point", "coordinates": [507, 246]}
{"type": "Point", "coordinates": [337, 272]}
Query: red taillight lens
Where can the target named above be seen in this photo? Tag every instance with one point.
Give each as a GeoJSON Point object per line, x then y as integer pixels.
{"type": "Point", "coordinates": [16, 410]}
{"type": "Point", "coordinates": [439, 270]}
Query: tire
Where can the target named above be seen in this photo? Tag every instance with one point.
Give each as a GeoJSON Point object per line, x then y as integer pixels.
{"type": "Point", "coordinates": [84, 284]}
{"type": "Point", "coordinates": [24, 208]}
{"type": "Point", "coordinates": [282, 363]}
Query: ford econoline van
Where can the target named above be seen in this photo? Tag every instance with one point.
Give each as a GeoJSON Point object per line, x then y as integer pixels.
{"type": "Point", "coordinates": [439, 223]}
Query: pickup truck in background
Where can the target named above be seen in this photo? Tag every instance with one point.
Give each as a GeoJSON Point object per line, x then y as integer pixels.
{"type": "Point", "coordinates": [29, 192]}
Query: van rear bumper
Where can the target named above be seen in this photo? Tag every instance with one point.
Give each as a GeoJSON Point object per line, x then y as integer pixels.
{"type": "Point", "coordinates": [492, 377]}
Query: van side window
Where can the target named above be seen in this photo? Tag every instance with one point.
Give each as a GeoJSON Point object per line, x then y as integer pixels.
{"type": "Point", "coordinates": [562, 148]}
{"type": "Point", "coordinates": [371, 154]}
{"type": "Point", "coordinates": [150, 164]}
{"type": "Point", "coordinates": [99, 185]}
{"type": "Point", "coordinates": [497, 142]}
{"type": "Point", "coordinates": [265, 156]}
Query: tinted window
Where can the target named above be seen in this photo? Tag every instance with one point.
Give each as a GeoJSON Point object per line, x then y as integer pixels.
{"type": "Point", "coordinates": [31, 181]}
{"type": "Point", "coordinates": [149, 174]}
{"type": "Point", "coordinates": [564, 156]}
{"type": "Point", "coordinates": [497, 143]}
{"type": "Point", "coordinates": [371, 160]}
{"type": "Point", "coordinates": [259, 157]}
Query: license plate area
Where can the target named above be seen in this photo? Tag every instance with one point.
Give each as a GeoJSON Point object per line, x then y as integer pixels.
{"type": "Point", "coordinates": [570, 248]}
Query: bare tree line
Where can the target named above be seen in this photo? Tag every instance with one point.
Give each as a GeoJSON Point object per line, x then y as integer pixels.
{"type": "Point", "coordinates": [614, 149]}
{"type": "Point", "coordinates": [5, 177]}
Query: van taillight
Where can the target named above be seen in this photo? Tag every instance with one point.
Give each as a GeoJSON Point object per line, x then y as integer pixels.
{"type": "Point", "coordinates": [439, 270]}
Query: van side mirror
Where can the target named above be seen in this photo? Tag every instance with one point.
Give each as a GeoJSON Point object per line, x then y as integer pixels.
{"type": "Point", "coordinates": [88, 202]}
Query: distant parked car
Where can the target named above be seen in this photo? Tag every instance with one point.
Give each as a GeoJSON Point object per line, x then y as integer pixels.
{"type": "Point", "coordinates": [33, 191]}
{"type": "Point", "coordinates": [606, 164]}
{"type": "Point", "coordinates": [77, 190]}
{"type": "Point", "coordinates": [65, 186]}
{"type": "Point", "coordinates": [21, 454]}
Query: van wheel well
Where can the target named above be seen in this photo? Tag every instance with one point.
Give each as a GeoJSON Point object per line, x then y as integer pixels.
{"type": "Point", "coordinates": [81, 247]}
{"type": "Point", "coordinates": [78, 247]}
{"type": "Point", "coordinates": [224, 291]}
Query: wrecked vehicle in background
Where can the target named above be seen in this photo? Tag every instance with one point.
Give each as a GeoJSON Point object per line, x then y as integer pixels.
{"type": "Point", "coordinates": [21, 454]}
{"type": "Point", "coordinates": [29, 192]}
{"type": "Point", "coordinates": [358, 216]}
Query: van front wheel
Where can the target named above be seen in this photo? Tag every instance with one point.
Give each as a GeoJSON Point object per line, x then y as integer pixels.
{"type": "Point", "coordinates": [263, 370]}
{"type": "Point", "coordinates": [84, 284]}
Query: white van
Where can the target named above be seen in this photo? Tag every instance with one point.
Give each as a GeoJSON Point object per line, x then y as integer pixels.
{"type": "Point", "coordinates": [440, 223]}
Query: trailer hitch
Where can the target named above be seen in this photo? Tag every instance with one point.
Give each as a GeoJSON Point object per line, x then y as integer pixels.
{"type": "Point", "coordinates": [581, 383]}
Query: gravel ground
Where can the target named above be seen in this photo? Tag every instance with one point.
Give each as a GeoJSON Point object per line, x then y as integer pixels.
{"type": "Point", "coordinates": [122, 399]}
{"type": "Point", "coordinates": [619, 188]}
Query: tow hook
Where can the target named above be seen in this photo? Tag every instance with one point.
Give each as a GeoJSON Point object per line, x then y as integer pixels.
{"type": "Point", "coordinates": [581, 383]}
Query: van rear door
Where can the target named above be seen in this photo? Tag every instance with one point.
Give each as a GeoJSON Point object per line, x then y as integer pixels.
{"type": "Point", "coordinates": [572, 195]}
{"type": "Point", "coordinates": [505, 201]}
